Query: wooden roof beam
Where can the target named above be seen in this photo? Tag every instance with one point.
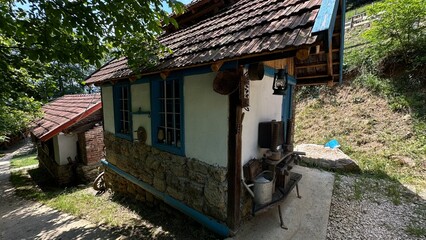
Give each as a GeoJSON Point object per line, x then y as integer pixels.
{"type": "Point", "coordinates": [316, 76]}
{"type": "Point", "coordinates": [312, 65]}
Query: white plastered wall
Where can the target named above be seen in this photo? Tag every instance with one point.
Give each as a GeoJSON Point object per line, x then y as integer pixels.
{"type": "Point", "coordinates": [141, 99]}
{"type": "Point", "coordinates": [65, 146]}
{"type": "Point", "coordinates": [264, 106]}
{"type": "Point", "coordinates": [108, 109]}
{"type": "Point", "coordinates": [206, 120]}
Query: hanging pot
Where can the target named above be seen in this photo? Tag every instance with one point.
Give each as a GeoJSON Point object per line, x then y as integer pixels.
{"type": "Point", "coordinates": [226, 82]}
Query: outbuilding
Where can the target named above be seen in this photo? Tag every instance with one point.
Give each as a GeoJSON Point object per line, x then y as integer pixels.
{"type": "Point", "coordinates": [69, 138]}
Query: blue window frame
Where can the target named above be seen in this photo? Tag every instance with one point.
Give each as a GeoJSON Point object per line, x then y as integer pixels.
{"type": "Point", "coordinates": [122, 111]}
{"type": "Point", "coordinates": [167, 115]}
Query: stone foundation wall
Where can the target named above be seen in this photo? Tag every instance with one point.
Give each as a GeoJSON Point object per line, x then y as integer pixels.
{"type": "Point", "coordinates": [62, 174]}
{"type": "Point", "coordinates": [197, 184]}
{"type": "Point", "coordinates": [88, 173]}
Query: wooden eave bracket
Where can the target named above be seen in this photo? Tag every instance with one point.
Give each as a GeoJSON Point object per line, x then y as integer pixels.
{"type": "Point", "coordinates": [133, 78]}
{"type": "Point", "coordinates": [164, 74]}
{"type": "Point", "coordinates": [216, 66]}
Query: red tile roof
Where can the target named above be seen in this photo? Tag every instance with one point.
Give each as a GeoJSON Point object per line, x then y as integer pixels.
{"type": "Point", "coordinates": [63, 112]}
{"type": "Point", "coordinates": [245, 28]}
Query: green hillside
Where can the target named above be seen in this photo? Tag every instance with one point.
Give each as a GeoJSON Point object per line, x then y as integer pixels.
{"type": "Point", "coordinates": [379, 113]}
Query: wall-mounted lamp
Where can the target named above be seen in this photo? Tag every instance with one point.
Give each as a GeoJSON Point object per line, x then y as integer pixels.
{"type": "Point", "coordinates": [280, 82]}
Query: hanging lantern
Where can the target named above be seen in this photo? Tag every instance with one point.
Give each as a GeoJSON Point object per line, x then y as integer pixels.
{"type": "Point", "coordinates": [280, 82]}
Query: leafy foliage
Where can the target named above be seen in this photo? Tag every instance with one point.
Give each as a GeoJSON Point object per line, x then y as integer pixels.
{"type": "Point", "coordinates": [48, 46]}
{"type": "Point", "coordinates": [398, 25]}
{"type": "Point", "coordinates": [352, 4]}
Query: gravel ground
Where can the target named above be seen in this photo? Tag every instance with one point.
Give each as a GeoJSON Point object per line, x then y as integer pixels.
{"type": "Point", "coordinates": [366, 208]}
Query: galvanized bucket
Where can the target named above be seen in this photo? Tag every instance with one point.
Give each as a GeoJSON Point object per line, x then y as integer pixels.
{"type": "Point", "coordinates": [264, 187]}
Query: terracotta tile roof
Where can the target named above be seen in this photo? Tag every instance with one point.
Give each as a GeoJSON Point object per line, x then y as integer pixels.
{"type": "Point", "coordinates": [63, 112]}
{"type": "Point", "coordinates": [245, 28]}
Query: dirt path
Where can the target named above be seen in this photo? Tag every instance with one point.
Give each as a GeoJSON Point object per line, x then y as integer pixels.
{"type": "Point", "coordinates": [23, 219]}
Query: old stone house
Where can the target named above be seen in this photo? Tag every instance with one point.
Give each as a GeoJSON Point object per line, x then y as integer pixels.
{"type": "Point", "coordinates": [69, 137]}
{"type": "Point", "coordinates": [182, 131]}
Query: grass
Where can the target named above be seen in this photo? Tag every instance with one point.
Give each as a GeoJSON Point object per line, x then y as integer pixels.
{"type": "Point", "coordinates": [119, 214]}
{"type": "Point", "coordinates": [23, 161]}
{"type": "Point", "coordinates": [358, 190]}
{"type": "Point", "coordinates": [416, 231]}
{"type": "Point", "coordinates": [80, 202]}
{"type": "Point", "coordinates": [379, 137]}
{"type": "Point", "coordinates": [351, 13]}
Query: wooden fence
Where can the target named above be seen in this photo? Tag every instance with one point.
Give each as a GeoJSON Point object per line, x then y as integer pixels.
{"type": "Point", "coordinates": [357, 20]}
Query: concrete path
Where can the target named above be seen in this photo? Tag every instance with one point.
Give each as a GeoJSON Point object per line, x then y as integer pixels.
{"type": "Point", "coordinates": [306, 218]}
{"type": "Point", "coordinates": [22, 219]}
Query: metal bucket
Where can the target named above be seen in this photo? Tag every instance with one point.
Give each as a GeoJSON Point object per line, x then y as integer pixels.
{"type": "Point", "coordinates": [263, 187]}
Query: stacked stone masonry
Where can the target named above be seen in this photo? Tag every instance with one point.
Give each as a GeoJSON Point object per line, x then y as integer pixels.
{"type": "Point", "coordinates": [62, 174]}
{"type": "Point", "coordinates": [197, 184]}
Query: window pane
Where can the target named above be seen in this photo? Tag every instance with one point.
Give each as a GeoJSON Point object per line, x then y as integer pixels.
{"type": "Point", "coordinates": [177, 106]}
{"type": "Point", "coordinates": [169, 106]}
{"type": "Point", "coordinates": [161, 138]}
{"type": "Point", "coordinates": [162, 108]}
{"type": "Point", "coordinates": [168, 131]}
{"type": "Point", "coordinates": [170, 123]}
{"type": "Point", "coordinates": [177, 90]}
{"type": "Point", "coordinates": [178, 140]}
{"type": "Point", "coordinates": [161, 90]}
{"type": "Point", "coordinates": [177, 121]}
{"type": "Point", "coordinates": [162, 120]}
{"type": "Point", "coordinates": [170, 137]}
{"type": "Point", "coordinates": [169, 89]}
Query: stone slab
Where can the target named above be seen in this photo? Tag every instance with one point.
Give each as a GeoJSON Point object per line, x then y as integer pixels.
{"type": "Point", "coordinates": [327, 158]}
{"type": "Point", "coordinates": [306, 218]}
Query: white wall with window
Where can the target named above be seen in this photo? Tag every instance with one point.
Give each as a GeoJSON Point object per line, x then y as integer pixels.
{"type": "Point", "coordinates": [189, 115]}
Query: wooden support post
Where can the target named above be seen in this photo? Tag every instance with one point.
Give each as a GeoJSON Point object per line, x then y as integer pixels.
{"type": "Point", "coordinates": [291, 123]}
{"type": "Point", "coordinates": [330, 83]}
{"type": "Point", "coordinates": [234, 160]}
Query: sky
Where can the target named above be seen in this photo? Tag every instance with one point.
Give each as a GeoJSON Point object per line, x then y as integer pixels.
{"type": "Point", "coordinates": [169, 10]}
{"type": "Point", "coordinates": [165, 6]}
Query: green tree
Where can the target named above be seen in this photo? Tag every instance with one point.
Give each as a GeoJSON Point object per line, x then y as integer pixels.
{"type": "Point", "coordinates": [398, 25]}
{"type": "Point", "coordinates": [46, 45]}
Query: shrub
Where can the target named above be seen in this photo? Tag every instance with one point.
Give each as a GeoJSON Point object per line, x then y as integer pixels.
{"type": "Point", "coordinates": [398, 25]}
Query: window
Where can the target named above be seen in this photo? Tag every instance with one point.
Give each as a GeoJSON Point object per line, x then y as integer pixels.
{"type": "Point", "coordinates": [168, 116]}
{"type": "Point", "coordinates": [122, 111]}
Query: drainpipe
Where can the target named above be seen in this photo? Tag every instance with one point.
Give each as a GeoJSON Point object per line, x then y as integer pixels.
{"type": "Point", "coordinates": [204, 220]}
